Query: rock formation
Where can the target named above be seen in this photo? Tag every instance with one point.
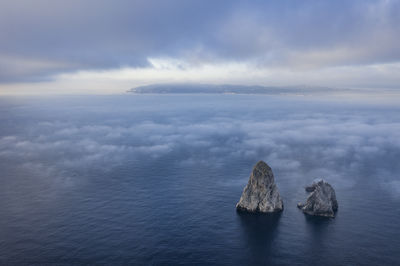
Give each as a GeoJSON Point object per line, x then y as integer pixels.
{"type": "Point", "coordinates": [260, 193]}
{"type": "Point", "coordinates": [322, 200]}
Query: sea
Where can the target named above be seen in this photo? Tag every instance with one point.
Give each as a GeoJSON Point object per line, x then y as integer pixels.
{"type": "Point", "coordinates": [153, 179]}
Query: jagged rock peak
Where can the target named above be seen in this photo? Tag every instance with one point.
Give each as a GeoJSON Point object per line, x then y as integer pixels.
{"type": "Point", "coordinates": [261, 193]}
{"type": "Point", "coordinates": [321, 201]}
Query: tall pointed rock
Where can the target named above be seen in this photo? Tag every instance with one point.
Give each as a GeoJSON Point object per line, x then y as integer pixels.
{"type": "Point", "coordinates": [261, 193]}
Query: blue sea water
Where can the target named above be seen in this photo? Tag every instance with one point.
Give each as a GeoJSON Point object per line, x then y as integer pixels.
{"type": "Point", "coordinates": [154, 179]}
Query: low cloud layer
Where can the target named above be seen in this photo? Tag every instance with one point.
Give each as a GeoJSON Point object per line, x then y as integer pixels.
{"type": "Point", "coordinates": [302, 140]}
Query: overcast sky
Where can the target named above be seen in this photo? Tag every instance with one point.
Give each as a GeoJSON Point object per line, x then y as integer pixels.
{"type": "Point", "coordinates": [97, 46]}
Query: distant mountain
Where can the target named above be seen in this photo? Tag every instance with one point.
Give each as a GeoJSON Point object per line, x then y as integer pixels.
{"type": "Point", "coordinates": [228, 89]}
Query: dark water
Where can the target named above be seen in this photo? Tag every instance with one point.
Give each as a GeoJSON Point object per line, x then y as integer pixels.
{"type": "Point", "coordinates": [153, 180]}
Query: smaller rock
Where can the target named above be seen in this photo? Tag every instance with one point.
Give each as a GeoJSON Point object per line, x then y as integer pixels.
{"type": "Point", "coordinates": [322, 200]}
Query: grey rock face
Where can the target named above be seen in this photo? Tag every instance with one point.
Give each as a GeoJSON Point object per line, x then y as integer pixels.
{"type": "Point", "coordinates": [322, 200]}
{"type": "Point", "coordinates": [261, 193]}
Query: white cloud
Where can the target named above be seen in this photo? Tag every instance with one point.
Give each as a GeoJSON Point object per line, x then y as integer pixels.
{"type": "Point", "coordinates": [301, 146]}
{"type": "Point", "coordinates": [376, 76]}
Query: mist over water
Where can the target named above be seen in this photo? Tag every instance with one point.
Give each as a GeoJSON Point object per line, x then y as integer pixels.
{"type": "Point", "coordinates": [154, 179]}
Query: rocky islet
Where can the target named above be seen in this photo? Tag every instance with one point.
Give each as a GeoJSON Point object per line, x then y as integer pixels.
{"type": "Point", "coordinates": [261, 195]}
{"type": "Point", "coordinates": [321, 201]}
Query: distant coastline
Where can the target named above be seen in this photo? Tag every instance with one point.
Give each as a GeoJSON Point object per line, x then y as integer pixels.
{"type": "Point", "coordinates": [231, 89]}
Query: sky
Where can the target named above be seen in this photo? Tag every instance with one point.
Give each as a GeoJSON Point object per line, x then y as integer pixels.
{"type": "Point", "coordinates": [99, 46]}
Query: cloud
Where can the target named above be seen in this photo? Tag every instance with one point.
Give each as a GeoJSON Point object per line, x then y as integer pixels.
{"type": "Point", "coordinates": [49, 40]}
{"type": "Point", "coordinates": [304, 141]}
